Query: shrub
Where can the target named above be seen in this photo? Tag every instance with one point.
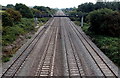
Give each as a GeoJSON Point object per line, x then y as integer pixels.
{"type": "Point", "coordinates": [43, 19]}
{"type": "Point", "coordinates": [110, 46]}
{"type": "Point", "coordinates": [112, 24]}
{"type": "Point", "coordinates": [27, 24]}
{"type": "Point", "coordinates": [14, 14]}
{"type": "Point", "coordinates": [5, 59]}
{"type": "Point", "coordinates": [10, 34]}
{"type": "Point", "coordinates": [7, 20]}
{"type": "Point", "coordinates": [105, 21]}
{"type": "Point", "coordinates": [24, 10]}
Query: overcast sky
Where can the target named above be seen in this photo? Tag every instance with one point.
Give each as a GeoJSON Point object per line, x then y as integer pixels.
{"type": "Point", "coordinates": [49, 3]}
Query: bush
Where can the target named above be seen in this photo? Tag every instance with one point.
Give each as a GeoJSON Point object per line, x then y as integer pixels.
{"type": "Point", "coordinates": [110, 46]}
{"type": "Point", "coordinates": [14, 14]}
{"type": "Point", "coordinates": [43, 20]}
{"type": "Point", "coordinates": [7, 20]}
{"type": "Point", "coordinates": [10, 34]}
{"type": "Point", "coordinates": [112, 26]}
{"type": "Point", "coordinates": [27, 24]}
{"type": "Point", "coordinates": [24, 10]}
{"type": "Point", "coordinates": [10, 16]}
{"type": "Point", "coordinates": [5, 59]}
{"type": "Point", "coordinates": [105, 21]}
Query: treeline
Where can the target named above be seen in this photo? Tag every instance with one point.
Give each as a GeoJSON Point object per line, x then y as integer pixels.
{"type": "Point", "coordinates": [104, 17]}
{"type": "Point", "coordinates": [88, 7]}
{"type": "Point", "coordinates": [15, 13]}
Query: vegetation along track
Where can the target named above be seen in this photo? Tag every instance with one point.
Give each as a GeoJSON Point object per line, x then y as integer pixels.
{"type": "Point", "coordinates": [16, 65]}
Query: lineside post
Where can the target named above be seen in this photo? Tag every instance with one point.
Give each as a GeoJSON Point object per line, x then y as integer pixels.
{"type": "Point", "coordinates": [35, 20]}
{"type": "Point", "coordinates": [81, 21]}
{"type": "Point", "coordinates": [118, 73]}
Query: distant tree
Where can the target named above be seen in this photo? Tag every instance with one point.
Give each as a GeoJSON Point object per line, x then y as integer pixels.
{"type": "Point", "coordinates": [100, 5]}
{"type": "Point", "coordinates": [36, 12]}
{"type": "Point", "coordinates": [73, 13]}
{"type": "Point", "coordinates": [15, 15]}
{"type": "Point", "coordinates": [10, 6]}
{"type": "Point", "coordinates": [86, 7]}
{"type": "Point", "coordinates": [41, 8]}
{"type": "Point", "coordinates": [69, 10]}
{"type": "Point", "coordinates": [109, 5]}
{"type": "Point", "coordinates": [24, 10]}
{"type": "Point", "coordinates": [44, 10]}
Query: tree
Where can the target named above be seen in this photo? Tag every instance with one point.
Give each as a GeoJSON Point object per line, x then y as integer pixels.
{"type": "Point", "coordinates": [41, 8]}
{"type": "Point", "coordinates": [86, 7]}
{"type": "Point", "coordinates": [36, 12]}
{"type": "Point", "coordinates": [15, 15]}
{"type": "Point", "coordinates": [112, 26]}
{"type": "Point", "coordinates": [10, 6]}
{"type": "Point", "coordinates": [24, 10]}
{"type": "Point", "coordinates": [100, 5]}
{"type": "Point", "coordinates": [105, 21]}
{"type": "Point", "coordinates": [73, 13]}
{"type": "Point", "coordinates": [44, 10]}
{"type": "Point", "coordinates": [6, 19]}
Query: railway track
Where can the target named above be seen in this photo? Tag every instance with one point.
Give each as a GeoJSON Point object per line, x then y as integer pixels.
{"type": "Point", "coordinates": [79, 56]}
{"type": "Point", "coordinates": [105, 69]}
{"type": "Point", "coordinates": [74, 67]}
{"type": "Point", "coordinates": [17, 63]}
{"type": "Point", "coordinates": [46, 64]}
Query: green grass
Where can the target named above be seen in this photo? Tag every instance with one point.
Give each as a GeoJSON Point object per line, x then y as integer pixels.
{"type": "Point", "coordinates": [5, 59]}
{"type": "Point", "coordinates": [43, 20]}
{"type": "Point", "coordinates": [29, 37]}
{"type": "Point", "coordinates": [1, 11]}
{"type": "Point", "coordinates": [77, 23]}
{"type": "Point", "coordinates": [40, 24]}
{"type": "Point", "coordinates": [109, 45]}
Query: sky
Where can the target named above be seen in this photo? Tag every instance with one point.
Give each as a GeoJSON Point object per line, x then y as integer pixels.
{"type": "Point", "coordinates": [50, 3]}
